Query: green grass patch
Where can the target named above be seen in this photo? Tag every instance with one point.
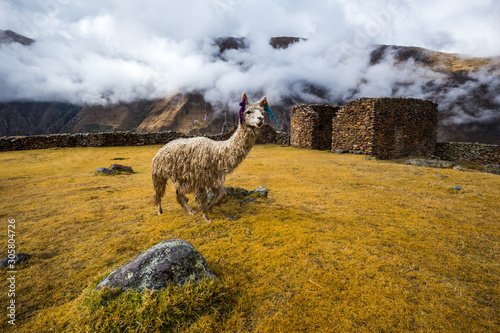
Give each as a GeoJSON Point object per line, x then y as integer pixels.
{"type": "Point", "coordinates": [341, 244]}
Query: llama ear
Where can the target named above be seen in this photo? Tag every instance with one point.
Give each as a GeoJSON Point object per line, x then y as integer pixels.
{"type": "Point", "coordinates": [263, 101]}
{"type": "Point", "coordinates": [244, 97]}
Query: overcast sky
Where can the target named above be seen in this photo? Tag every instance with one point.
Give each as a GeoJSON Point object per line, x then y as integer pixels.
{"type": "Point", "coordinates": [98, 51]}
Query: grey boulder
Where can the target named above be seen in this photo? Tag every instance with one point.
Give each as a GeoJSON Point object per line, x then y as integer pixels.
{"type": "Point", "coordinates": [430, 163]}
{"type": "Point", "coordinates": [105, 171]}
{"type": "Point", "coordinates": [492, 168]}
{"type": "Point", "coordinates": [173, 261]}
{"type": "Point", "coordinates": [16, 259]}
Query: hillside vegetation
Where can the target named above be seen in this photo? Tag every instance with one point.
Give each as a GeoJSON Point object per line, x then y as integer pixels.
{"type": "Point", "coordinates": [343, 243]}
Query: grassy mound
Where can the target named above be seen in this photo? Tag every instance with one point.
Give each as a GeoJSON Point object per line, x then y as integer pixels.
{"type": "Point", "coordinates": [342, 243]}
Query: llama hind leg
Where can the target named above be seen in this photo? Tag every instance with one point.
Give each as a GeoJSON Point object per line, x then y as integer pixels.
{"type": "Point", "coordinates": [221, 194]}
{"type": "Point", "coordinates": [183, 201]}
{"type": "Point", "coordinates": [159, 184]}
{"type": "Point", "coordinates": [201, 198]}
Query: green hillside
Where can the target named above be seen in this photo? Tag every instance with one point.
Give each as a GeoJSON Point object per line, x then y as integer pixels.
{"type": "Point", "coordinates": [343, 243]}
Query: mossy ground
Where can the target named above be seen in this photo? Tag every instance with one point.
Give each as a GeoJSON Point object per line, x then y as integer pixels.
{"type": "Point", "coordinates": [342, 244]}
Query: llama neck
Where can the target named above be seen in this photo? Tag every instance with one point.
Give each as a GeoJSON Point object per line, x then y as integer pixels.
{"type": "Point", "coordinates": [239, 145]}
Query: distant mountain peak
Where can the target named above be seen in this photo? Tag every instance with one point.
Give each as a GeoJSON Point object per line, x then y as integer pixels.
{"type": "Point", "coordinates": [241, 43]}
{"type": "Point", "coordinates": [9, 36]}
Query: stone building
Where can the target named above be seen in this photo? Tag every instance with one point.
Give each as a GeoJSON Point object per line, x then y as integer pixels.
{"type": "Point", "coordinates": [311, 126]}
{"type": "Point", "coordinates": [386, 128]}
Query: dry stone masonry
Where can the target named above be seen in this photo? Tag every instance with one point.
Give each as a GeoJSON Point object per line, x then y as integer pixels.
{"type": "Point", "coordinates": [386, 128]}
{"type": "Point", "coordinates": [467, 151]}
{"type": "Point", "coordinates": [111, 139]}
{"type": "Point", "coordinates": [311, 125]}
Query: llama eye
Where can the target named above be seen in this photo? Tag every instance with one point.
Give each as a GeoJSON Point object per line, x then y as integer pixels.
{"type": "Point", "coordinates": [248, 112]}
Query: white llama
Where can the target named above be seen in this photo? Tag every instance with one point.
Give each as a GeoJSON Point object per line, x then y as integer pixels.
{"type": "Point", "coordinates": [196, 164]}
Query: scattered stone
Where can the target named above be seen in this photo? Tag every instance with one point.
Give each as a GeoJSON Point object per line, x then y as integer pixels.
{"type": "Point", "coordinates": [261, 191]}
{"type": "Point", "coordinates": [173, 261]}
{"type": "Point", "coordinates": [492, 168]}
{"type": "Point", "coordinates": [119, 167]}
{"type": "Point", "coordinates": [341, 151]}
{"type": "Point", "coordinates": [18, 258]}
{"type": "Point", "coordinates": [241, 193]}
{"type": "Point", "coordinates": [458, 167]}
{"type": "Point", "coordinates": [105, 171]}
{"type": "Point", "coordinates": [479, 195]}
{"type": "Point", "coordinates": [238, 192]}
{"type": "Point", "coordinates": [440, 176]}
{"type": "Point", "coordinates": [232, 218]}
{"type": "Point", "coordinates": [456, 188]}
{"type": "Point", "coordinates": [368, 158]}
{"type": "Point", "coordinates": [430, 163]}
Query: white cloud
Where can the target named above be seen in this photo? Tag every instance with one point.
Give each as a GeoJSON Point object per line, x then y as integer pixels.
{"type": "Point", "coordinates": [107, 51]}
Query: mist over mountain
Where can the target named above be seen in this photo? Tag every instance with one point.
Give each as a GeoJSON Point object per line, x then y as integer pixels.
{"type": "Point", "coordinates": [121, 62]}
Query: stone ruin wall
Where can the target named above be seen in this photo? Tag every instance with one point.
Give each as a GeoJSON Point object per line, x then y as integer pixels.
{"type": "Point", "coordinates": [467, 151]}
{"type": "Point", "coordinates": [386, 128]}
{"type": "Point", "coordinates": [352, 129]}
{"type": "Point", "coordinates": [113, 139]}
{"type": "Point", "coordinates": [311, 125]}
{"type": "Point", "coordinates": [404, 127]}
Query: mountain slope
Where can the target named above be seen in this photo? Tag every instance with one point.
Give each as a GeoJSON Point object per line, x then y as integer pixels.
{"type": "Point", "coordinates": [30, 118]}
{"type": "Point", "coordinates": [8, 36]}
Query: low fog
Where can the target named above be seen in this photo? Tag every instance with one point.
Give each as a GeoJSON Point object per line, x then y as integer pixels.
{"type": "Point", "coordinates": [95, 52]}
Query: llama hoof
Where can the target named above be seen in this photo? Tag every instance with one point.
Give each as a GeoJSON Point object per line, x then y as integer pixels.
{"type": "Point", "coordinates": [160, 211]}
{"type": "Point", "coordinates": [207, 219]}
{"type": "Point", "coordinates": [191, 212]}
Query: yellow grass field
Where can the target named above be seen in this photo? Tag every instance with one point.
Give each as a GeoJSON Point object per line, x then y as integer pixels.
{"type": "Point", "coordinates": [342, 244]}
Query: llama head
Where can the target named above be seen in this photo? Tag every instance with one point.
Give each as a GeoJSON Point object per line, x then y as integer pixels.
{"type": "Point", "coordinates": [252, 114]}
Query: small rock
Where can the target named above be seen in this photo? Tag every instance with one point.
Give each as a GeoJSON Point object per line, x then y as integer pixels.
{"type": "Point", "coordinates": [18, 258]}
{"type": "Point", "coordinates": [119, 167]}
{"type": "Point", "coordinates": [210, 195]}
{"type": "Point", "coordinates": [492, 168]}
{"type": "Point", "coordinates": [430, 163]}
{"type": "Point", "coordinates": [173, 261]}
{"type": "Point", "coordinates": [368, 158]}
{"type": "Point", "coordinates": [341, 151]}
{"type": "Point", "coordinates": [105, 171]}
{"type": "Point", "coordinates": [458, 167]}
{"type": "Point", "coordinates": [240, 193]}
{"type": "Point", "coordinates": [231, 218]}
{"type": "Point", "coordinates": [457, 188]}
{"type": "Point", "coordinates": [441, 176]}
{"type": "Point", "coordinates": [262, 191]}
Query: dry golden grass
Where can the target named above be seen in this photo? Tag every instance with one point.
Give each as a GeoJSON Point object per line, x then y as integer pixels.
{"type": "Point", "coordinates": [341, 244]}
{"type": "Point", "coordinates": [450, 62]}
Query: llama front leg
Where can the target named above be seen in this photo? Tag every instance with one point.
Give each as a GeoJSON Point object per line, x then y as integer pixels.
{"type": "Point", "coordinates": [221, 194]}
{"type": "Point", "coordinates": [201, 198]}
{"type": "Point", "coordinates": [183, 201]}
